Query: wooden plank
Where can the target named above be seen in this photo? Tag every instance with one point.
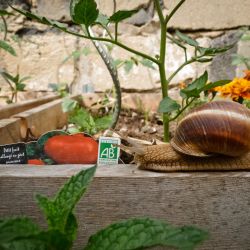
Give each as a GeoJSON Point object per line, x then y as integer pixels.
{"type": "Point", "coordinates": [12, 109]}
{"type": "Point", "coordinates": [216, 201]}
{"type": "Point", "coordinates": [44, 118]}
{"type": "Point", "coordinates": [10, 130]}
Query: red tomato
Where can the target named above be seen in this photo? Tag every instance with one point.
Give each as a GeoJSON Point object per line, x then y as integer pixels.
{"type": "Point", "coordinates": [72, 149]}
{"type": "Point", "coordinates": [35, 162]}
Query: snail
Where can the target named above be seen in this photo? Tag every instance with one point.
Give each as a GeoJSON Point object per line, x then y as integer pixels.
{"type": "Point", "coordinates": [214, 136]}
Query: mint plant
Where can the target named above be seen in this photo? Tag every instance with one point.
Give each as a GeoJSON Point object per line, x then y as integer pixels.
{"type": "Point", "coordinates": [83, 119]}
{"type": "Point", "coordinates": [21, 233]}
{"type": "Point", "coordinates": [86, 14]}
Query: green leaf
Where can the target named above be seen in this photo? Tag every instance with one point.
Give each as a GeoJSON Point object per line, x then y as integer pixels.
{"type": "Point", "coordinates": [147, 63]}
{"type": "Point", "coordinates": [84, 11]}
{"type": "Point", "coordinates": [196, 87]}
{"type": "Point", "coordinates": [122, 15]}
{"type": "Point", "coordinates": [245, 37]}
{"type": "Point", "coordinates": [144, 232]}
{"type": "Point", "coordinates": [214, 51]}
{"type": "Point", "coordinates": [8, 76]}
{"type": "Point", "coordinates": [187, 39]}
{"type": "Point", "coordinates": [4, 45]}
{"type": "Point", "coordinates": [215, 84]}
{"type": "Point", "coordinates": [168, 105]}
{"type": "Point", "coordinates": [25, 244]}
{"type": "Point", "coordinates": [45, 240]}
{"type": "Point", "coordinates": [128, 65]}
{"type": "Point", "coordinates": [69, 105]}
{"type": "Point", "coordinates": [204, 60]}
{"type": "Point", "coordinates": [71, 227]}
{"type": "Point", "coordinates": [102, 19]}
{"type": "Point", "coordinates": [58, 211]}
{"type": "Point", "coordinates": [5, 13]}
{"type": "Point", "coordinates": [54, 239]}
{"type": "Point", "coordinates": [82, 119]}
{"type": "Point", "coordinates": [103, 123]}
{"type": "Point", "coordinates": [20, 86]}
{"type": "Point", "coordinates": [117, 62]}
{"type": "Point", "coordinates": [11, 229]}
{"type": "Point", "coordinates": [41, 19]}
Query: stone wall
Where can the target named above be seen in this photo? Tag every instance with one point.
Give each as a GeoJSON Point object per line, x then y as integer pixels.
{"type": "Point", "coordinates": [45, 54]}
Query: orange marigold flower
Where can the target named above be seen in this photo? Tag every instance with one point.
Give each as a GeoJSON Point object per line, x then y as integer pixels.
{"type": "Point", "coordinates": [239, 87]}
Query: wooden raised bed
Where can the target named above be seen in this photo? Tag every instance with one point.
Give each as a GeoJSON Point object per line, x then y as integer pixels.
{"type": "Point", "coordinates": [216, 201]}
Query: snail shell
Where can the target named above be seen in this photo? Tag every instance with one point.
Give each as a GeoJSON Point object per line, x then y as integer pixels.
{"type": "Point", "coordinates": [219, 127]}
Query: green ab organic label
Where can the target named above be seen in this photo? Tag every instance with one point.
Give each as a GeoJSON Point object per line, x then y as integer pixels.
{"type": "Point", "coordinates": [108, 151]}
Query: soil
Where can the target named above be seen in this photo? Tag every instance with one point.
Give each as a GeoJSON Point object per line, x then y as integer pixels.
{"type": "Point", "coordinates": [137, 125]}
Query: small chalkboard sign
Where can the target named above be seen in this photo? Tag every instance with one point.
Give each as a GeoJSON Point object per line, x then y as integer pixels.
{"type": "Point", "coordinates": [13, 154]}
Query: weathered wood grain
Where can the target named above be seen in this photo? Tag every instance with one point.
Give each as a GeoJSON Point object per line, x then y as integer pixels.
{"type": "Point", "coordinates": [12, 109]}
{"type": "Point", "coordinates": [9, 130]}
{"type": "Point", "coordinates": [216, 201]}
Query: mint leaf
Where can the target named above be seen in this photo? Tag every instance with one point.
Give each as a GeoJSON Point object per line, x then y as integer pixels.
{"type": "Point", "coordinates": [10, 229]}
{"type": "Point", "coordinates": [84, 11]}
{"type": "Point", "coordinates": [45, 240]}
{"type": "Point", "coordinates": [83, 120]}
{"type": "Point", "coordinates": [25, 244]}
{"type": "Point", "coordinates": [122, 15]}
{"type": "Point", "coordinates": [168, 105]}
{"type": "Point", "coordinates": [68, 105]}
{"type": "Point", "coordinates": [103, 122]}
{"type": "Point", "coordinates": [187, 39]}
{"type": "Point", "coordinates": [71, 227]}
{"type": "Point", "coordinates": [5, 46]}
{"type": "Point", "coordinates": [144, 232]}
{"type": "Point", "coordinates": [58, 211]}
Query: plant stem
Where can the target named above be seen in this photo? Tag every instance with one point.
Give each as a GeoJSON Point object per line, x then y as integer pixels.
{"type": "Point", "coordinates": [181, 67]}
{"type": "Point", "coordinates": [161, 65]}
{"type": "Point", "coordinates": [174, 10]}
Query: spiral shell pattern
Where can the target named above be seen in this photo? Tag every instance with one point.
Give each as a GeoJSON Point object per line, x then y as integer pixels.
{"type": "Point", "coordinates": [219, 127]}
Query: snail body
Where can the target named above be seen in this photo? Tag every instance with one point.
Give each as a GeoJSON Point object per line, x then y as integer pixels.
{"type": "Point", "coordinates": [215, 135]}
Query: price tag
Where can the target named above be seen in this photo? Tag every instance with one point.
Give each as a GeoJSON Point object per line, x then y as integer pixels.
{"type": "Point", "coordinates": [108, 152]}
{"type": "Point", "coordinates": [13, 154]}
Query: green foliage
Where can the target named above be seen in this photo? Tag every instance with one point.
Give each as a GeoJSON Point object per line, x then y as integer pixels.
{"type": "Point", "coordinates": [84, 11]}
{"type": "Point", "coordinates": [122, 15]}
{"type": "Point", "coordinates": [83, 120]}
{"type": "Point", "coordinates": [138, 233]}
{"type": "Point", "coordinates": [167, 105]}
{"type": "Point", "coordinates": [190, 94]}
{"type": "Point", "coordinates": [7, 47]}
{"type": "Point", "coordinates": [238, 59]}
{"type": "Point", "coordinates": [15, 82]}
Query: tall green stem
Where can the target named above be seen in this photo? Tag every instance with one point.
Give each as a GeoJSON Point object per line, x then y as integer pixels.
{"type": "Point", "coordinates": [161, 65]}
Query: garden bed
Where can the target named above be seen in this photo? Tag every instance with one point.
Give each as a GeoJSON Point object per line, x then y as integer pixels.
{"type": "Point", "coordinates": [215, 201]}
